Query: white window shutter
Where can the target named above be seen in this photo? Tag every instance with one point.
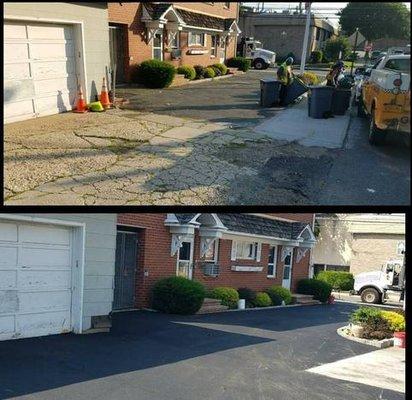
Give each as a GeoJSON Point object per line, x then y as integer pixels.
{"type": "Point", "coordinates": [258, 251]}
{"type": "Point", "coordinates": [234, 247]}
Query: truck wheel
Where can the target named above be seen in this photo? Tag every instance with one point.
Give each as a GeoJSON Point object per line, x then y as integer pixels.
{"type": "Point", "coordinates": [259, 64]}
{"type": "Point", "coordinates": [376, 136]}
{"type": "Point", "coordinates": [361, 111]}
{"type": "Point", "coordinates": [371, 296]}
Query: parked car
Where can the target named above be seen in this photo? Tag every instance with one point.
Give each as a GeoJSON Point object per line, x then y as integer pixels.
{"type": "Point", "coordinates": [377, 54]}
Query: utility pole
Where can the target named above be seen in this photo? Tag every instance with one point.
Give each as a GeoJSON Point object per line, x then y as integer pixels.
{"type": "Point", "coordinates": [306, 38]}
{"type": "Point", "coordinates": [354, 51]}
{"type": "Point", "coordinates": [300, 8]}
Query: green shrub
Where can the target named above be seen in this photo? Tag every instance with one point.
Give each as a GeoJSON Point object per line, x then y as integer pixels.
{"type": "Point", "coordinates": [309, 78]}
{"type": "Point", "coordinates": [319, 289]}
{"type": "Point", "coordinates": [217, 71]}
{"type": "Point", "coordinates": [200, 71]}
{"type": "Point", "coordinates": [395, 320]}
{"type": "Point", "coordinates": [262, 300]}
{"type": "Point", "coordinates": [188, 71]}
{"type": "Point", "coordinates": [241, 63]}
{"type": "Point", "coordinates": [227, 295]}
{"type": "Point", "coordinates": [335, 46]}
{"type": "Point", "coordinates": [373, 322]}
{"type": "Point", "coordinates": [177, 295]}
{"type": "Point", "coordinates": [155, 74]}
{"type": "Point", "coordinates": [222, 68]}
{"type": "Point", "coordinates": [209, 72]}
{"type": "Point", "coordinates": [339, 280]}
{"type": "Point", "coordinates": [364, 314]}
{"type": "Point", "coordinates": [316, 56]}
{"type": "Point", "coordinates": [279, 291]}
{"type": "Point", "coordinates": [247, 294]}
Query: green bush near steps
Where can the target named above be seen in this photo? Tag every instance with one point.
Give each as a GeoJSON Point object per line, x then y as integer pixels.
{"type": "Point", "coordinates": [221, 67]}
{"type": "Point", "coordinates": [188, 71]}
{"type": "Point", "coordinates": [177, 295]}
{"type": "Point", "coordinates": [279, 292]}
{"type": "Point", "coordinates": [241, 63]}
{"type": "Point", "coordinates": [319, 289]}
{"type": "Point", "coordinates": [228, 296]}
{"type": "Point", "coordinates": [339, 280]}
{"type": "Point", "coordinates": [209, 72]}
{"type": "Point", "coordinates": [155, 74]}
{"type": "Point", "coordinates": [262, 300]}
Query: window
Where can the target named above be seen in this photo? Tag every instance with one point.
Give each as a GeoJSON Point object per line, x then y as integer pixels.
{"type": "Point", "coordinates": [399, 65]}
{"type": "Point", "coordinates": [273, 255]}
{"type": "Point", "coordinates": [246, 250]}
{"type": "Point", "coordinates": [214, 46]}
{"type": "Point", "coordinates": [211, 254]}
{"type": "Point", "coordinates": [196, 39]}
{"type": "Point", "coordinates": [158, 46]}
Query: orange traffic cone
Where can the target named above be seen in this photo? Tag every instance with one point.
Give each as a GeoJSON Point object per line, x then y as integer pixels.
{"type": "Point", "coordinates": [104, 96]}
{"type": "Point", "coordinates": [81, 106]}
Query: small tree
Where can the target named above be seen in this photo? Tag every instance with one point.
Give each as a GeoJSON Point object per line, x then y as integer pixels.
{"type": "Point", "coordinates": [334, 46]}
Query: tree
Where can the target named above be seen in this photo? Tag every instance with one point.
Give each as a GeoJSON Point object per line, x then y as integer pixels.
{"type": "Point", "coordinates": [336, 45]}
{"type": "Point", "coordinates": [376, 20]}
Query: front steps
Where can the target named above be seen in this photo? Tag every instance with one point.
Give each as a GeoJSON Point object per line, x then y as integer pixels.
{"type": "Point", "coordinates": [304, 299]}
{"type": "Point", "coordinates": [212, 306]}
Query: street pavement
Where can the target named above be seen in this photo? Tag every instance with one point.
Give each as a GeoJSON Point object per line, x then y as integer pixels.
{"type": "Point", "coordinates": [248, 355]}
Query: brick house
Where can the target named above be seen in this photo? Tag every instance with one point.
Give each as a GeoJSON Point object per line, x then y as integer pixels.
{"type": "Point", "coordinates": [237, 250]}
{"type": "Point", "coordinates": [182, 33]}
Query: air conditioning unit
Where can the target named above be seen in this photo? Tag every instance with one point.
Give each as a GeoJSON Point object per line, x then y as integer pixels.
{"type": "Point", "coordinates": [210, 269]}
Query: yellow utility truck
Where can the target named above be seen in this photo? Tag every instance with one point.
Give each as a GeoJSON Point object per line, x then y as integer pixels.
{"type": "Point", "coordinates": [385, 96]}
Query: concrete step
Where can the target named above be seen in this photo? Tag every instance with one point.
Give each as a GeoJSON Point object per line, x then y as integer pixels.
{"type": "Point", "coordinates": [305, 299]}
{"type": "Point", "coordinates": [211, 306]}
{"type": "Point", "coordinates": [208, 301]}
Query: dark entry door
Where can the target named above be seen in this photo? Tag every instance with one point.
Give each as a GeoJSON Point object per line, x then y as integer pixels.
{"type": "Point", "coordinates": [125, 270]}
{"type": "Point", "coordinates": [117, 51]}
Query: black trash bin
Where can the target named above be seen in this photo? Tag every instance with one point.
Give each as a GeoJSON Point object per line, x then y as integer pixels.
{"type": "Point", "coordinates": [294, 90]}
{"type": "Point", "coordinates": [341, 101]}
{"type": "Point", "coordinates": [320, 102]}
{"type": "Point", "coordinates": [269, 92]}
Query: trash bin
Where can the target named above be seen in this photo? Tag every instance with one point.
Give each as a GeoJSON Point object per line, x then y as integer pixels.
{"type": "Point", "coordinates": [269, 92]}
{"type": "Point", "coordinates": [320, 101]}
{"type": "Point", "coordinates": [294, 90]}
{"type": "Point", "coordinates": [341, 101]}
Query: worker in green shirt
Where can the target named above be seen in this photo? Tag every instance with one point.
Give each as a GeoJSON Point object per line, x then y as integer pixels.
{"type": "Point", "coordinates": [285, 77]}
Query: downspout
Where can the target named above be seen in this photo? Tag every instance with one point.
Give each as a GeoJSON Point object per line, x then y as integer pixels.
{"type": "Point", "coordinates": [310, 250]}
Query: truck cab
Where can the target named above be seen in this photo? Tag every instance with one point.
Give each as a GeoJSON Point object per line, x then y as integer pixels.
{"type": "Point", "coordinates": [252, 49]}
{"type": "Point", "coordinates": [385, 97]}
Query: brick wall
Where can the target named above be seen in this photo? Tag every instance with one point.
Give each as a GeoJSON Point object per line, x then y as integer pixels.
{"type": "Point", "coordinates": [128, 15]}
{"type": "Point", "coordinates": [155, 261]}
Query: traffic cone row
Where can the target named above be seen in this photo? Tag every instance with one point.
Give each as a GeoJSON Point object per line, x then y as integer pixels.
{"type": "Point", "coordinates": [81, 106]}
{"type": "Point", "coordinates": [104, 101]}
{"type": "Point", "coordinates": [104, 96]}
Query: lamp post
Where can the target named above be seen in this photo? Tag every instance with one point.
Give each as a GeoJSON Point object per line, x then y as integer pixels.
{"type": "Point", "coordinates": [306, 39]}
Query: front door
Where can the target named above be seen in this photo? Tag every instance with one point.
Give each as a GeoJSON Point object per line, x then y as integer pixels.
{"type": "Point", "coordinates": [185, 260]}
{"type": "Point", "coordinates": [125, 270]}
{"type": "Point", "coordinates": [117, 52]}
{"type": "Point", "coordinates": [287, 270]}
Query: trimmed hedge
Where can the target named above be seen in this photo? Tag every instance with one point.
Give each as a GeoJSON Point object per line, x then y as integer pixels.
{"type": "Point", "coordinates": [339, 280]}
{"type": "Point", "coordinates": [155, 74]}
{"type": "Point", "coordinates": [209, 72]}
{"type": "Point", "coordinates": [200, 71]}
{"type": "Point", "coordinates": [241, 63]}
{"type": "Point", "coordinates": [177, 295]}
{"type": "Point", "coordinates": [227, 295]}
{"type": "Point", "coordinates": [279, 291]}
{"type": "Point", "coordinates": [319, 289]}
{"type": "Point", "coordinates": [188, 71]}
{"type": "Point", "coordinates": [247, 294]}
{"type": "Point", "coordinates": [262, 300]}
{"type": "Point", "coordinates": [216, 70]}
{"type": "Point", "coordinates": [222, 67]}
{"type": "Point", "coordinates": [395, 320]}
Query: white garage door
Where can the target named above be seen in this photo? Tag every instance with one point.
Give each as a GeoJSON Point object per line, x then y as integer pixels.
{"type": "Point", "coordinates": [39, 70]}
{"type": "Point", "coordinates": [35, 280]}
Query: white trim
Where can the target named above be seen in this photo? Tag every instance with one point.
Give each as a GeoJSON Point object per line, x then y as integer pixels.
{"type": "Point", "coordinates": [245, 268]}
{"type": "Point", "coordinates": [232, 235]}
{"type": "Point", "coordinates": [204, 42]}
{"type": "Point", "coordinates": [199, 28]}
{"type": "Point", "coordinates": [275, 261]}
{"type": "Point", "coordinates": [191, 241]}
{"type": "Point", "coordinates": [290, 271]}
{"type": "Point", "coordinates": [78, 239]}
{"type": "Point", "coordinates": [161, 45]}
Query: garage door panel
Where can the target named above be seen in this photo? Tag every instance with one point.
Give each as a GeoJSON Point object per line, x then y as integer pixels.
{"type": "Point", "coordinates": [39, 51]}
{"type": "Point", "coordinates": [16, 52]}
{"type": "Point", "coordinates": [9, 301]}
{"type": "Point", "coordinates": [8, 232]}
{"type": "Point", "coordinates": [18, 90]}
{"type": "Point", "coordinates": [16, 71]}
{"type": "Point", "coordinates": [44, 234]}
{"type": "Point", "coordinates": [42, 324]}
{"type": "Point", "coordinates": [8, 257]}
{"type": "Point", "coordinates": [48, 31]}
{"type": "Point", "coordinates": [54, 104]}
{"type": "Point", "coordinates": [35, 302]}
{"type": "Point", "coordinates": [7, 324]}
{"type": "Point", "coordinates": [15, 30]}
{"type": "Point", "coordinates": [43, 280]}
{"type": "Point", "coordinates": [45, 257]}
{"type": "Point", "coordinates": [8, 279]}
{"type": "Point", "coordinates": [53, 69]}
{"type": "Point", "coordinates": [63, 85]}
{"type": "Point", "coordinates": [17, 111]}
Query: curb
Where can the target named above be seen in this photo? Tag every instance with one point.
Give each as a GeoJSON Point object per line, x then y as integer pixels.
{"type": "Point", "coordinates": [380, 344]}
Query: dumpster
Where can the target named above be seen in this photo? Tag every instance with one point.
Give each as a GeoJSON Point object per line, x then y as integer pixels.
{"type": "Point", "coordinates": [341, 101]}
{"type": "Point", "coordinates": [294, 90]}
{"type": "Point", "coordinates": [320, 102]}
{"type": "Point", "coordinates": [269, 92]}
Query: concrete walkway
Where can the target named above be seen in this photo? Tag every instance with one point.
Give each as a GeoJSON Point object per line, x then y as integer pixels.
{"type": "Point", "coordinates": [294, 125]}
{"type": "Point", "coordinates": [383, 368]}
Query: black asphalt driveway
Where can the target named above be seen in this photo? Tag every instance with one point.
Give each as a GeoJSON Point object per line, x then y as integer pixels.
{"type": "Point", "coordinates": [240, 355]}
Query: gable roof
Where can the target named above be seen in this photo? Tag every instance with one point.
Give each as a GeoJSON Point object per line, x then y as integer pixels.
{"type": "Point", "coordinates": [157, 10]}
